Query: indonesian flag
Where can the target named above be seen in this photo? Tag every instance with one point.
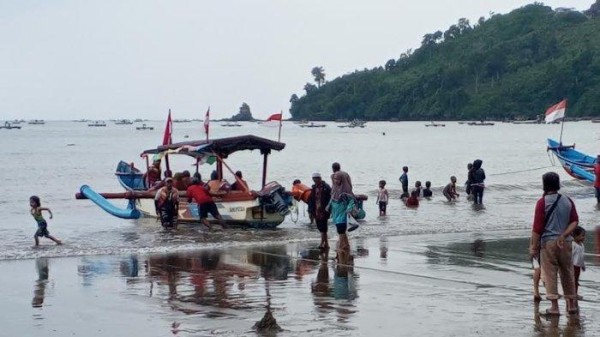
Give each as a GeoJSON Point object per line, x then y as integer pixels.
{"type": "Point", "coordinates": [273, 120]}
{"type": "Point", "coordinates": [206, 122]}
{"type": "Point", "coordinates": [556, 111]}
{"type": "Point", "coordinates": [168, 136]}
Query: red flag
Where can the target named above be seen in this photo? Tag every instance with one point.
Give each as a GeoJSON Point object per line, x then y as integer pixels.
{"type": "Point", "coordinates": [206, 122]}
{"type": "Point", "coordinates": [168, 136]}
{"type": "Point", "coordinates": [275, 117]}
{"type": "Point", "coordinates": [556, 111]}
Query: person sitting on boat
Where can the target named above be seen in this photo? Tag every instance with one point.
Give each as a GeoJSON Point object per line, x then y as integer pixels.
{"type": "Point", "coordinates": [153, 176]}
{"type": "Point", "coordinates": [239, 184]}
{"type": "Point", "coordinates": [167, 204]}
{"type": "Point", "coordinates": [203, 197]}
{"type": "Point", "coordinates": [186, 179]}
{"type": "Point", "coordinates": [216, 185]}
{"type": "Point", "coordinates": [178, 182]}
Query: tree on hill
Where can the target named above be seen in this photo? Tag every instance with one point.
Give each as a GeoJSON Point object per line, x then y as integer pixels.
{"type": "Point", "coordinates": [594, 10]}
{"type": "Point", "coordinates": [319, 75]}
{"type": "Point", "coordinates": [516, 64]}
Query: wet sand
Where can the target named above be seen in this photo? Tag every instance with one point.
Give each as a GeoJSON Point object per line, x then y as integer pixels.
{"type": "Point", "coordinates": [463, 284]}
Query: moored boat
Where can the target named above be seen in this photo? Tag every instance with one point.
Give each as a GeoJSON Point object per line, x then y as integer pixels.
{"type": "Point", "coordinates": [123, 122]}
{"type": "Point", "coordinates": [265, 208]}
{"type": "Point", "coordinates": [434, 124]}
{"type": "Point", "coordinates": [312, 125]}
{"type": "Point", "coordinates": [231, 124]}
{"type": "Point", "coordinates": [577, 164]}
{"type": "Point", "coordinates": [480, 123]}
{"type": "Point", "coordinates": [36, 122]}
{"type": "Point", "coordinates": [97, 124]}
{"type": "Point", "coordinates": [9, 126]}
{"type": "Point", "coordinates": [144, 127]}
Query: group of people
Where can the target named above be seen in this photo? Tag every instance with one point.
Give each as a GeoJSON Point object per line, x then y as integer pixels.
{"type": "Point", "coordinates": [167, 197]}
{"type": "Point", "coordinates": [336, 202]}
{"type": "Point", "coordinates": [474, 188]}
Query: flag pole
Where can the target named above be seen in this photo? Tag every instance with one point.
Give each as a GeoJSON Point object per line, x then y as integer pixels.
{"type": "Point", "coordinates": [170, 136]}
{"type": "Point", "coordinates": [562, 124]}
{"type": "Point", "coordinates": [279, 135]}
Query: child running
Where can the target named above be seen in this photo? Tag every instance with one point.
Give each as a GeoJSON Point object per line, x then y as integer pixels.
{"type": "Point", "coordinates": [450, 190]}
{"type": "Point", "coordinates": [36, 212]}
{"type": "Point", "coordinates": [382, 198]}
{"type": "Point", "coordinates": [578, 249]}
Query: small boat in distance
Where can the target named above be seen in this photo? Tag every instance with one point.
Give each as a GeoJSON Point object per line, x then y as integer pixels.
{"type": "Point", "coordinates": [480, 123]}
{"type": "Point", "coordinates": [97, 124]}
{"type": "Point", "coordinates": [36, 122]}
{"type": "Point", "coordinates": [231, 124]}
{"type": "Point", "coordinates": [434, 124]}
{"type": "Point", "coordinates": [355, 123]}
{"type": "Point", "coordinates": [182, 121]}
{"type": "Point", "coordinates": [9, 125]}
{"type": "Point", "coordinates": [144, 127]}
{"type": "Point", "coordinates": [123, 122]}
{"type": "Point", "coordinates": [312, 125]}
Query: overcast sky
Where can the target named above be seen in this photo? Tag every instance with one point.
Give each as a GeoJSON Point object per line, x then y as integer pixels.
{"type": "Point", "coordinates": [100, 59]}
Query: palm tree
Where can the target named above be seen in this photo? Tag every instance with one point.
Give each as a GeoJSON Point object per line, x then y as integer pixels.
{"type": "Point", "coordinates": [319, 75]}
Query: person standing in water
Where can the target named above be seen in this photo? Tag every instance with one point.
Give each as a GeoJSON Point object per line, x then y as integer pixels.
{"type": "Point", "coordinates": [36, 212]}
{"type": "Point", "coordinates": [468, 182]}
{"type": "Point", "coordinates": [382, 198]}
{"type": "Point", "coordinates": [317, 207]}
{"type": "Point", "coordinates": [554, 220]}
{"type": "Point", "coordinates": [477, 178]}
{"type": "Point", "coordinates": [342, 202]}
{"type": "Point", "coordinates": [404, 181]}
{"type": "Point", "coordinates": [427, 193]}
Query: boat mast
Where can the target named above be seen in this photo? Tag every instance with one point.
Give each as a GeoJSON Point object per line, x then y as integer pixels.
{"type": "Point", "coordinates": [562, 124]}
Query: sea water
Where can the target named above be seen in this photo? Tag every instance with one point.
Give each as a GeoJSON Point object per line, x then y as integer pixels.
{"type": "Point", "coordinates": [55, 159]}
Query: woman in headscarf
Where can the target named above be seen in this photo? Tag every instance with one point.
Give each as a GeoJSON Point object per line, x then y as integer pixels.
{"type": "Point", "coordinates": [342, 203]}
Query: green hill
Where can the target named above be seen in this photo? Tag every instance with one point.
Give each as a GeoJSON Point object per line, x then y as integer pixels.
{"type": "Point", "coordinates": [512, 65]}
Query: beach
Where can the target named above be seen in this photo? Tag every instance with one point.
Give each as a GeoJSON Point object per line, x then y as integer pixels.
{"type": "Point", "coordinates": [427, 285]}
{"type": "Point", "coordinates": [442, 269]}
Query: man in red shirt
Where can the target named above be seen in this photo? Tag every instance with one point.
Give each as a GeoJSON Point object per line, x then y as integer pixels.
{"type": "Point", "coordinates": [597, 180]}
{"type": "Point", "coordinates": [197, 192]}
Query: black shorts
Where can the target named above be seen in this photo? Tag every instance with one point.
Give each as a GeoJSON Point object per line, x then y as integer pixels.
{"type": "Point", "coordinates": [42, 229]}
{"type": "Point", "coordinates": [168, 217]}
{"type": "Point", "coordinates": [322, 225]}
{"type": "Point", "coordinates": [341, 227]}
{"type": "Point", "coordinates": [208, 207]}
{"type": "Point", "coordinates": [382, 206]}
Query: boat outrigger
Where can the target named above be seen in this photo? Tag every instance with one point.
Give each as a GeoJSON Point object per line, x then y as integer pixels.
{"type": "Point", "coordinates": [265, 208]}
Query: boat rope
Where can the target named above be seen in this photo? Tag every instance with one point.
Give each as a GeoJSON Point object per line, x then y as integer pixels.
{"type": "Point", "coordinates": [520, 171]}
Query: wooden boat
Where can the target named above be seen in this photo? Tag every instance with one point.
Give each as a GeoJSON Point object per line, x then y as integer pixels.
{"type": "Point", "coordinates": [435, 124]}
{"type": "Point", "coordinates": [144, 127]}
{"type": "Point", "coordinates": [36, 122]}
{"type": "Point", "coordinates": [97, 124]}
{"type": "Point", "coordinates": [577, 164]}
{"type": "Point", "coordinates": [265, 208]}
{"type": "Point", "coordinates": [9, 126]}
{"type": "Point", "coordinates": [481, 123]}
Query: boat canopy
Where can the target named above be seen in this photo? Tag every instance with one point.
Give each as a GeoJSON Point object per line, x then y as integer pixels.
{"type": "Point", "coordinates": [223, 147]}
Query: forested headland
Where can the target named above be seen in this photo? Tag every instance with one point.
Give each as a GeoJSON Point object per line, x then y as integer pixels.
{"type": "Point", "coordinates": [507, 66]}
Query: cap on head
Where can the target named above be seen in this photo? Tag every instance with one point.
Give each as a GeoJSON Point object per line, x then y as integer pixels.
{"type": "Point", "coordinates": [316, 175]}
{"type": "Point", "coordinates": [169, 180]}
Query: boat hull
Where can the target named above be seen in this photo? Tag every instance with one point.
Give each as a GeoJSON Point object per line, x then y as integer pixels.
{"type": "Point", "coordinates": [575, 163]}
